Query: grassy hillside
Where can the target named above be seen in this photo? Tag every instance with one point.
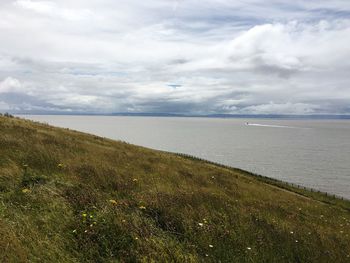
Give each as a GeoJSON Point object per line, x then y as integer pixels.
{"type": "Point", "coordinates": [71, 197]}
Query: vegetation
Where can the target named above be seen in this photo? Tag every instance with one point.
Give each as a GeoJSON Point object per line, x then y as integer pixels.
{"type": "Point", "coordinates": [66, 196]}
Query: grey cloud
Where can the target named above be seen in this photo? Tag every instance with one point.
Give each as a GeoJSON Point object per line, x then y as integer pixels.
{"type": "Point", "coordinates": [18, 102]}
{"type": "Point", "coordinates": [223, 56]}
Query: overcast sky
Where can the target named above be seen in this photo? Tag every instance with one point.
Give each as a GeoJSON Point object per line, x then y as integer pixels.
{"type": "Point", "coordinates": [184, 56]}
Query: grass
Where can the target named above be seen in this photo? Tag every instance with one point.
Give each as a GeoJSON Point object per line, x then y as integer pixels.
{"type": "Point", "coordinates": [66, 196]}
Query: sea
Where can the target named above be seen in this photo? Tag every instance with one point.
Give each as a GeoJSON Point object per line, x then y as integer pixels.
{"type": "Point", "coordinates": [308, 152]}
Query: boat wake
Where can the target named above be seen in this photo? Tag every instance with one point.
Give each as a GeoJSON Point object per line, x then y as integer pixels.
{"type": "Point", "coordinates": [271, 126]}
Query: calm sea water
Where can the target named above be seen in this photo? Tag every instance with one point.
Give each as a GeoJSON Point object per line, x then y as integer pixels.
{"type": "Point", "coordinates": [312, 153]}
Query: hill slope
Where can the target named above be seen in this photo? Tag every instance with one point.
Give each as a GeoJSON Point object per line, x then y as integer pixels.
{"type": "Point", "coordinates": [66, 196]}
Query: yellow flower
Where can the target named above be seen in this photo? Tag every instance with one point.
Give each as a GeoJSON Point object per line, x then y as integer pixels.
{"type": "Point", "coordinates": [142, 207]}
{"type": "Point", "coordinates": [25, 190]}
{"type": "Point", "coordinates": [135, 180]}
{"type": "Point", "coordinates": [60, 165]}
{"type": "Point", "coordinates": [113, 202]}
{"type": "Point", "coordinates": [84, 215]}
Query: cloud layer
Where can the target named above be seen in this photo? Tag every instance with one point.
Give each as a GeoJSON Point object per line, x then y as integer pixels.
{"type": "Point", "coordinates": [181, 56]}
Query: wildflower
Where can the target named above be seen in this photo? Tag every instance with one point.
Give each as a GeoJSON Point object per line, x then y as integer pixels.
{"type": "Point", "coordinates": [211, 246]}
{"type": "Point", "coordinates": [59, 165]}
{"type": "Point", "coordinates": [135, 180]}
{"type": "Point", "coordinates": [296, 241]}
{"type": "Point", "coordinates": [91, 225]}
{"type": "Point", "coordinates": [25, 165]}
{"type": "Point", "coordinates": [74, 231]}
{"type": "Point", "coordinates": [249, 248]}
{"type": "Point", "coordinates": [136, 238]}
{"type": "Point", "coordinates": [292, 232]}
{"type": "Point", "coordinates": [206, 255]}
{"type": "Point", "coordinates": [25, 190]}
{"type": "Point", "coordinates": [91, 216]}
{"type": "Point", "coordinates": [84, 215]}
{"type": "Point", "coordinates": [85, 231]}
{"type": "Point", "coordinates": [200, 224]}
{"type": "Point", "coordinates": [142, 207]}
{"type": "Point", "coordinates": [113, 202]}
{"type": "Point", "coordinates": [123, 220]}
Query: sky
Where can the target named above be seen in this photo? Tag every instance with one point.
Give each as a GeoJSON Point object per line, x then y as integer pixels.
{"type": "Point", "coordinates": [175, 56]}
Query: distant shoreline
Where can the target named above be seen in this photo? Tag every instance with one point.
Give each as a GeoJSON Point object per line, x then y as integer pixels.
{"type": "Point", "coordinates": [224, 116]}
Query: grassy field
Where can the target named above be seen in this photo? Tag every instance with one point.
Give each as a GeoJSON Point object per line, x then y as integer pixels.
{"type": "Point", "coordinates": [66, 196]}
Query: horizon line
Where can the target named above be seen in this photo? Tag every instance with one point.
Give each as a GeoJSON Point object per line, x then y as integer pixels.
{"type": "Point", "coordinates": [214, 115]}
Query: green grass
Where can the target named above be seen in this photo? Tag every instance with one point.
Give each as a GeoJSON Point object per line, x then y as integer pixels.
{"type": "Point", "coordinates": [66, 196]}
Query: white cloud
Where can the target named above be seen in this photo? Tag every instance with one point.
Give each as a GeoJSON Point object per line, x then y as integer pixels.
{"type": "Point", "coordinates": [38, 6]}
{"type": "Point", "coordinates": [50, 8]}
{"type": "Point", "coordinates": [227, 56]}
{"type": "Point", "coordinates": [10, 85]}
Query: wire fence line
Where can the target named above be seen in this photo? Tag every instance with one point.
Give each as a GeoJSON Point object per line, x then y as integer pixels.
{"type": "Point", "coordinates": [270, 180]}
{"type": "Point", "coordinates": [293, 187]}
{"type": "Point", "coordinates": [266, 179]}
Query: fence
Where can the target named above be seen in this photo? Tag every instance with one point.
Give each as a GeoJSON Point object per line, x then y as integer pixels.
{"type": "Point", "coordinates": [273, 181]}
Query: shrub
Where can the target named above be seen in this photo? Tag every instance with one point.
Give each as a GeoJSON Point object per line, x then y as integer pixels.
{"type": "Point", "coordinates": [8, 115]}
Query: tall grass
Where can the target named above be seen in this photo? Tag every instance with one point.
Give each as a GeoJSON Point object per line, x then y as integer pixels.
{"type": "Point", "coordinates": [66, 196]}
